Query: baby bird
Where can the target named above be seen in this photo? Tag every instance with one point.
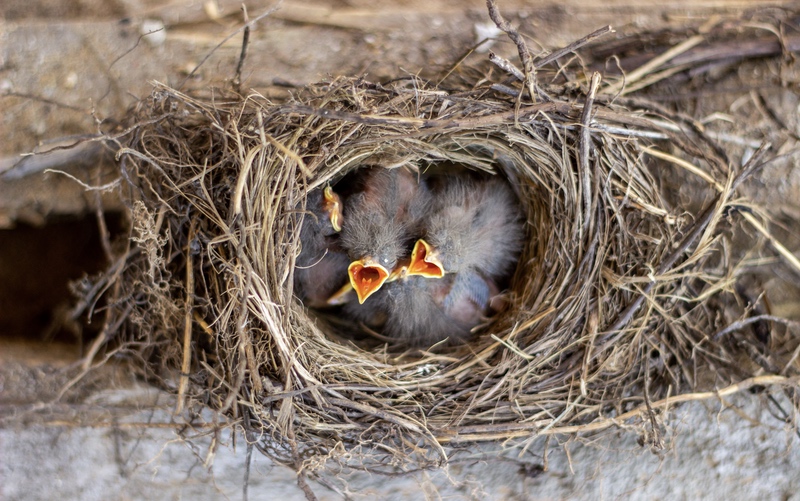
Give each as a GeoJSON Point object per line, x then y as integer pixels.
{"type": "Point", "coordinates": [475, 226]}
{"type": "Point", "coordinates": [471, 242]}
{"type": "Point", "coordinates": [383, 218]}
{"type": "Point", "coordinates": [321, 267]}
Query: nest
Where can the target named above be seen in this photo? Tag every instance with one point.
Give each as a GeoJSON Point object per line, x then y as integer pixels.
{"type": "Point", "coordinates": [611, 311]}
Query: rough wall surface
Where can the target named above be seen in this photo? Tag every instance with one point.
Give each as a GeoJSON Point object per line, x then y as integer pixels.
{"type": "Point", "coordinates": [717, 452]}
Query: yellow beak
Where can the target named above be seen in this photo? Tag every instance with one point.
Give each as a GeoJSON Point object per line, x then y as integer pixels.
{"type": "Point", "coordinates": [424, 261]}
{"type": "Point", "coordinates": [333, 207]}
{"type": "Point", "coordinates": [366, 277]}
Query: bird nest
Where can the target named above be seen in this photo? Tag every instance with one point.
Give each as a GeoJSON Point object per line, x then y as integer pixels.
{"type": "Point", "coordinates": [608, 314]}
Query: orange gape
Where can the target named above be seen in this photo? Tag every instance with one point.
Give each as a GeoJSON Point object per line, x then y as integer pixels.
{"type": "Point", "coordinates": [424, 261]}
{"type": "Point", "coordinates": [366, 277]}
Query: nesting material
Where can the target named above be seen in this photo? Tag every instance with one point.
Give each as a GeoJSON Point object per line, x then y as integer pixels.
{"type": "Point", "coordinates": [609, 309]}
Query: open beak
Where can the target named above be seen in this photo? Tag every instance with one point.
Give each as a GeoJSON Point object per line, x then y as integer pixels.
{"type": "Point", "coordinates": [333, 207]}
{"type": "Point", "coordinates": [366, 277]}
{"type": "Point", "coordinates": [424, 261]}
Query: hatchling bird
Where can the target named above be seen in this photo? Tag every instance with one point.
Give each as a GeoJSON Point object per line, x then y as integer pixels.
{"type": "Point", "coordinates": [321, 267]}
{"type": "Point", "coordinates": [475, 225]}
{"type": "Point", "coordinates": [384, 217]}
{"type": "Point", "coordinates": [472, 239]}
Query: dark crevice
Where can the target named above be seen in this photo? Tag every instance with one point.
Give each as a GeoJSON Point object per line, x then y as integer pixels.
{"type": "Point", "coordinates": [37, 265]}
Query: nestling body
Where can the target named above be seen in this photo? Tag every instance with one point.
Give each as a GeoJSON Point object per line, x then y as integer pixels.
{"type": "Point", "coordinates": [471, 242]}
{"type": "Point", "coordinates": [321, 267]}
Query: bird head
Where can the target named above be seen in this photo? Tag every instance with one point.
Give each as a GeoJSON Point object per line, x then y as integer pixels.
{"type": "Point", "coordinates": [375, 241]}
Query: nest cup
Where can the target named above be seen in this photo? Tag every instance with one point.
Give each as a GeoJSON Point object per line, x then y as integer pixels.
{"type": "Point", "coordinates": [217, 188]}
